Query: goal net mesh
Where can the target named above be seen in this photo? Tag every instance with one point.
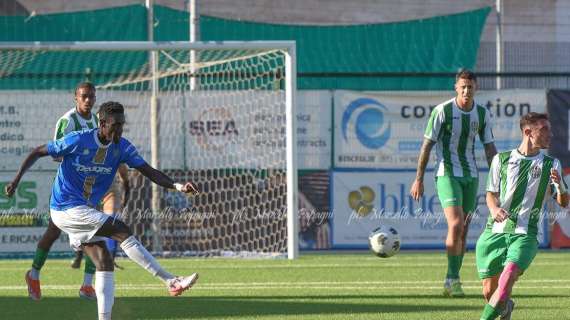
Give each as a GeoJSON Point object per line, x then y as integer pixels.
{"type": "Point", "coordinates": [221, 125]}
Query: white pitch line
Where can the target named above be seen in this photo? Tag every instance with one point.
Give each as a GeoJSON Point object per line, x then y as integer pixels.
{"type": "Point", "coordinates": [294, 266]}
{"type": "Point", "coordinates": [375, 288]}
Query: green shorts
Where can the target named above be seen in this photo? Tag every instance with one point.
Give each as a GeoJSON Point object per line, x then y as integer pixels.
{"type": "Point", "coordinates": [457, 192]}
{"type": "Point", "coordinates": [494, 250]}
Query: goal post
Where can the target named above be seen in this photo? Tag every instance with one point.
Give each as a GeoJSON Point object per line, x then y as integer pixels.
{"type": "Point", "coordinates": [224, 119]}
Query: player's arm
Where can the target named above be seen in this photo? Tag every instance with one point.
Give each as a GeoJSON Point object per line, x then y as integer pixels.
{"type": "Point", "coordinates": [417, 189]}
{"type": "Point", "coordinates": [498, 213]}
{"type": "Point", "coordinates": [490, 151]}
{"type": "Point", "coordinates": [37, 153]}
{"type": "Point", "coordinates": [124, 175]}
{"type": "Point", "coordinates": [560, 188]}
{"type": "Point", "coordinates": [165, 181]}
{"type": "Point", "coordinates": [487, 138]}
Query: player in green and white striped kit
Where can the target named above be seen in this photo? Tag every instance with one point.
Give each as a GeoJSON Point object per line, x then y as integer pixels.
{"type": "Point", "coordinates": [452, 128]}
{"type": "Point", "coordinates": [519, 182]}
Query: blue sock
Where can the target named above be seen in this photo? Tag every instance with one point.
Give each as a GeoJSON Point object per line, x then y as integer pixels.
{"type": "Point", "coordinates": [111, 246]}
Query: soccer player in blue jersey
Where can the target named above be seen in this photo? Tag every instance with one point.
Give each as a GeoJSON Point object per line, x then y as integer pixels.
{"type": "Point", "coordinates": [90, 160]}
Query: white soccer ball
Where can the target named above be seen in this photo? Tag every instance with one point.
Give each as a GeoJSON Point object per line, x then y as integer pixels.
{"type": "Point", "coordinates": [384, 241]}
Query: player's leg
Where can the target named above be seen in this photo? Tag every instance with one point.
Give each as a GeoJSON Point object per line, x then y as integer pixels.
{"type": "Point", "coordinates": [522, 251]}
{"type": "Point", "coordinates": [470, 187]}
{"type": "Point", "coordinates": [451, 197]}
{"type": "Point", "coordinates": [490, 254]}
{"type": "Point", "coordinates": [104, 284]}
{"type": "Point", "coordinates": [44, 245]}
{"type": "Point", "coordinates": [119, 231]}
{"type": "Point", "coordinates": [76, 262]}
{"type": "Point", "coordinates": [87, 291]}
{"type": "Point", "coordinates": [110, 207]}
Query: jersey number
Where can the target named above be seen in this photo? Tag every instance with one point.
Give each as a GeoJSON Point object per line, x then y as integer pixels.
{"type": "Point", "coordinates": [88, 187]}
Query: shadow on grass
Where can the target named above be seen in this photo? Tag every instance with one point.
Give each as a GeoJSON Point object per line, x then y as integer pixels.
{"type": "Point", "coordinates": [201, 307]}
{"type": "Point", "coordinates": [14, 308]}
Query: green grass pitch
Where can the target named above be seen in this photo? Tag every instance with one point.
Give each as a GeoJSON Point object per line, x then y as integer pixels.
{"type": "Point", "coordinates": [316, 286]}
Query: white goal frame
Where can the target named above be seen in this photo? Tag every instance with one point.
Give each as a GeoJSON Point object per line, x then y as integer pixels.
{"type": "Point", "coordinates": [289, 49]}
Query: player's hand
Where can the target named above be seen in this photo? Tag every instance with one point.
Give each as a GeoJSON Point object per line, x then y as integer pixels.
{"type": "Point", "coordinates": [499, 214]}
{"type": "Point", "coordinates": [555, 176]}
{"type": "Point", "coordinates": [190, 188]}
{"type": "Point", "coordinates": [417, 190]}
{"type": "Point", "coordinates": [10, 189]}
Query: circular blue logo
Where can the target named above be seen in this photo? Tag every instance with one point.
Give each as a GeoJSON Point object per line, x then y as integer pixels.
{"type": "Point", "coordinates": [369, 124]}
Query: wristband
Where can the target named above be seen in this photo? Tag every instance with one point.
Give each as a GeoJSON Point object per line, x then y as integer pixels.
{"type": "Point", "coordinates": [178, 186]}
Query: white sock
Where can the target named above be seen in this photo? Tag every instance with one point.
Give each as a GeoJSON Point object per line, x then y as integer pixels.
{"type": "Point", "coordinates": [104, 316]}
{"type": "Point", "coordinates": [136, 252]}
{"type": "Point", "coordinates": [87, 279]}
{"type": "Point", "coordinates": [35, 274]}
{"type": "Point", "coordinates": [105, 289]}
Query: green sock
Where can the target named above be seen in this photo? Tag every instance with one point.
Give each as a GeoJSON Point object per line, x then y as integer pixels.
{"type": "Point", "coordinates": [40, 258]}
{"type": "Point", "coordinates": [89, 265]}
{"type": "Point", "coordinates": [460, 262]}
{"type": "Point", "coordinates": [453, 266]}
{"type": "Point", "coordinates": [490, 313]}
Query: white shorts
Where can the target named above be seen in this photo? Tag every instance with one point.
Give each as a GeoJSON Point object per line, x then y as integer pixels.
{"type": "Point", "coordinates": [80, 223]}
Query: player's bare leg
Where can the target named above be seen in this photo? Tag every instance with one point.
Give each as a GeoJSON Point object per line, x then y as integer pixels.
{"type": "Point", "coordinates": [105, 282]}
{"type": "Point", "coordinates": [110, 207]}
{"type": "Point", "coordinates": [454, 246]}
{"type": "Point", "coordinates": [499, 302]}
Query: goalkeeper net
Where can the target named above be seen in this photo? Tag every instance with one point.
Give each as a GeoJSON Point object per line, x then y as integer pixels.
{"type": "Point", "coordinates": [214, 114]}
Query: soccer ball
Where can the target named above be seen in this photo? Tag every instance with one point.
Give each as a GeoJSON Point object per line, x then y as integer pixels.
{"type": "Point", "coordinates": [384, 241]}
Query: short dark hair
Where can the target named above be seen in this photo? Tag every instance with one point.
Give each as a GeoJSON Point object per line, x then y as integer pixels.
{"type": "Point", "coordinates": [110, 108]}
{"type": "Point", "coordinates": [87, 85]}
{"type": "Point", "coordinates": [532, 118]}
{"type": "Point", "coordinates": [465, 74]}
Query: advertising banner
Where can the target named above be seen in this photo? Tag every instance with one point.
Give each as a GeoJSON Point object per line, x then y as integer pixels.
{"type": "Point", "coordinates": [384, 130]}
{"type": "Point", "coordinates": [364, 200]}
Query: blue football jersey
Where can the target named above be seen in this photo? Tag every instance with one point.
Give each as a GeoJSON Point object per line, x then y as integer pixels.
{"type": "Point", "coordinates": [88, 168]}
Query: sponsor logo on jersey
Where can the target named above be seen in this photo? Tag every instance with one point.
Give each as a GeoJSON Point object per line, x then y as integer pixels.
{"type": "Point", "coordinates": [94, 169]}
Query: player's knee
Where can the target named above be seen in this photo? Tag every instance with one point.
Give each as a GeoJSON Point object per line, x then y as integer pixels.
{"type": "Point", "coordinates": [104, 264]}
{"type": "Point", "coordinates": [487, 292]}
{"type": "Point", "coordinates": [455, 229]}
{"type": "Point", "coordinates": [122, 231]}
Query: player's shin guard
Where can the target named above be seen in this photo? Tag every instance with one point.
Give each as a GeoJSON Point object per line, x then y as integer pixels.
{"type": "Point", "coordinates": [105, 289]}
{"type": "Point", "coordinates": [136, 252]}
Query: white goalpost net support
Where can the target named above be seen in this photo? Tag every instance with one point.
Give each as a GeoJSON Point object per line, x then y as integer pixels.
{"type": "Point", "coordinates": [223, 119]}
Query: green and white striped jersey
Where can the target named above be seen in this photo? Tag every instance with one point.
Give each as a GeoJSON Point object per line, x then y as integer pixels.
{"type": "Point", "coordinates": [454, 132]}
{"type": "Point", "coordinates": [71, 121]}
{"type": "Point", "coordinates": [523, 184]}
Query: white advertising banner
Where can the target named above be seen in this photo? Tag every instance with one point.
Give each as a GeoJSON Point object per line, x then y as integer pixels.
{"type": "Point", "coordinates": [364, 200]}
{"type": "Point", "coordinates": [201, 130]}
{"type": "Point", "coordinates": [384, 130]}
{"type": "Point", "coordinates": [314, 129]}
{"type": "Point", "coordinates": [25, 239]}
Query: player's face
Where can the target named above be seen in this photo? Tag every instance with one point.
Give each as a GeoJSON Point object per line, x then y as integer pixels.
{"type": "Point", "coordinates": [85, 99]}
{"type": "Point", "coordinates": [541, 134]}
{"type": "Point", "coordinates": [465, 89]}
{"type": "Point", "coordinates": [112, 127]}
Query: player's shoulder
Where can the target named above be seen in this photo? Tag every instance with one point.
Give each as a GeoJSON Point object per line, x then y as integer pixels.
{"type": "Point", "coordinates": [126, 145]}
{"type": "Point", "coordinates": [67, 115]}
{"type": "Point", "coordinates": [550, 158]}
{"type": "Point", "coordinates": [442, 107]}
